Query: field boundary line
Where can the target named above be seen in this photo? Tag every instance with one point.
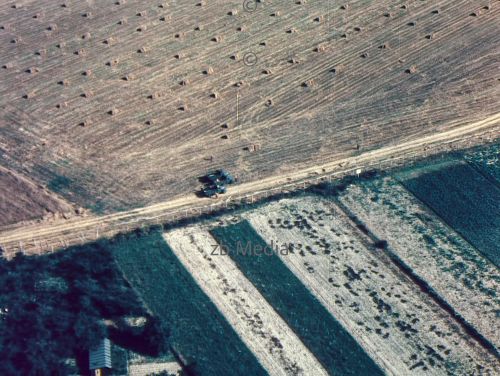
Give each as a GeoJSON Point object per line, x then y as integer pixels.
{"type": "Point", "coordinates": [111, 224]}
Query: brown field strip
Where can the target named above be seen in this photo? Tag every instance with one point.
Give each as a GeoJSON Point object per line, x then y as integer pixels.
{"type": "Point", "coordinates": [118, 105]}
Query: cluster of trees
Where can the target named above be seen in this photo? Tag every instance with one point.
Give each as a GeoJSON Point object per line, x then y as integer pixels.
{"type": "Point", "coordinates": [54, 307]}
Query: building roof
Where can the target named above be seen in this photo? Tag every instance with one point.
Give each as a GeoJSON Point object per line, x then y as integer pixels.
{"type": "Point", "coordinates": [100, 356]}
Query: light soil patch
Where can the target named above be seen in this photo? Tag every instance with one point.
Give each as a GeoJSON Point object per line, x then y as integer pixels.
{"type": "Point", "coordinates": [399, 326]}
{"type": "Point", "coordinates": [147, 369]}
{"type": "Point", "coordinates": [278, 349]}
{"type": "Point", "coordinates": [451, 266]}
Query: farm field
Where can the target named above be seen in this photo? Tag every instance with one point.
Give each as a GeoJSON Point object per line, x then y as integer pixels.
{"type": "Point", "coordinates": [116, 105]}
{"type": "Point", "coordinates": [22, 200]}
{"type": "Point", "coordinates": [199, 333]}
{"type": "Point", "coordinates": [451, 266]}
{"type": "Point", "coordinates": [276, 346]}
{"type": "Point", "coordinates": [466, 200]}
{"type": "Point", "coordinates": [396, 323]}
{"type": "Point", "coordinates": [333, 346]}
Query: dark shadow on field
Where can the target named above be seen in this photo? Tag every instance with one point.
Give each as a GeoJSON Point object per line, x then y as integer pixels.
{"type": "Point", "coordinates": [200, 336]}
{"type": "Point", "coordinates": [332, 345]}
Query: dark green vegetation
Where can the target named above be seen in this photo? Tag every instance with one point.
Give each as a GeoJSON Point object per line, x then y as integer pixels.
{"type": "Point", "coordinates": [339, 353]}
{"type": "Point", "coordinates": [487, 161]}
{"type": "Point", "coordinates": [466, 201]}
{"type": "Point", "coordinates": [53, 309]}
{"type": "Point", "coordinates": [200, 335]}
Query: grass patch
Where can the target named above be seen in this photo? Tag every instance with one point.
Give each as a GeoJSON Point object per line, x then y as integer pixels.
{"type": "Point", "coordinates": [199, 332]}
{"type": "Point", "coordinates": [333, 346]}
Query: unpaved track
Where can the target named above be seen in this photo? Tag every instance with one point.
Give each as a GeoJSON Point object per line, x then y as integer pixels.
{"type": "Point", "coordinates": [58, 235]}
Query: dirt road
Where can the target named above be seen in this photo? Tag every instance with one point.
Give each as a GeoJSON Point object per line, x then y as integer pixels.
{"type": "Point", "coordinates": [41, 237]}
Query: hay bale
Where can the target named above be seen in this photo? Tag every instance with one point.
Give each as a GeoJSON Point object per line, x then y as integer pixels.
{"type": "Point", "coordinates": [309, 83]}
{"type": "Point", "coordinates": [85, 123]}
{"type": "Point", "coordinates": [113, 62]}
{"type": "Point", "coordinates": [128, 77]}
{"type": "Point", "coordinates": [32, 70]}
{"type": "Point", "coordinates": [320, 48]}
{"type": "Point", "coordinates": [208, 71]}
{"type": "Point", "coordinates": [411, 70]}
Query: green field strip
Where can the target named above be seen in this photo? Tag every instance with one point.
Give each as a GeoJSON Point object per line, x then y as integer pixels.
{"type": "Point", "coordinates": [332, 345]}
{"type": "Point", "coordinates": [199, 332]}
{"type": "Point", "coordinates": [465, 200]}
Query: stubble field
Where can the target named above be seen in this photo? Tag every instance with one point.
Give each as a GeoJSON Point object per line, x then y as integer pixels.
{"type": "Point", "coordinates": [122, 104]}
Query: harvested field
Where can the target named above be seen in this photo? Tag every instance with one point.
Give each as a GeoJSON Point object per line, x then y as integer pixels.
{"type": "Point", "coordinates": [452, 267]}
{"type": "Point", "coordinates": [199, 333]}
{"type": "Point", "coordinates": [466, 200]}
{"type": "Point", "coordinates": [116, 98]}
{"type": "Point", "coordinates": [264, 332]}
{"type": "Point", "coordinates": [23, 200]}
{"type": "Point", "coordinates": [332, 345]}
{"type": "Point", "coordinates": [396, 323]}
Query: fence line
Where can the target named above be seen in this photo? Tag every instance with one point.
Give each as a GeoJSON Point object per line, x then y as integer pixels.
{"type": "Point", "coordinates": [390, 162]}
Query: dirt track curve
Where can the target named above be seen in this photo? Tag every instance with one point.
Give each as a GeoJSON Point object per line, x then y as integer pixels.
{"type": "Point", "coordinates": [41, 237]}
